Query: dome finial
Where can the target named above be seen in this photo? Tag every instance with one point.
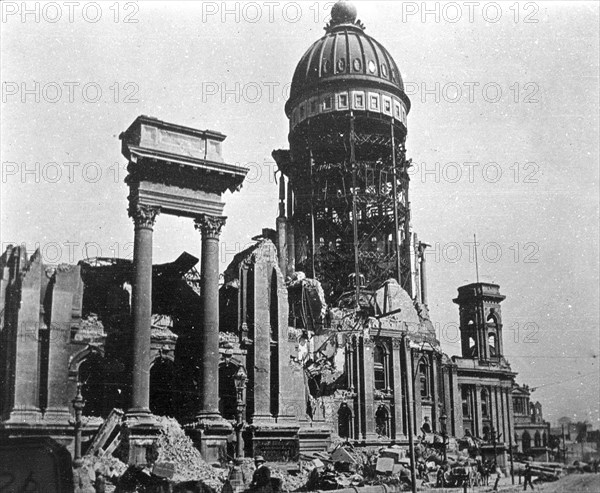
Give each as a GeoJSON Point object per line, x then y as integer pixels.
{"type": "Point", "coordinates": [343, 12]}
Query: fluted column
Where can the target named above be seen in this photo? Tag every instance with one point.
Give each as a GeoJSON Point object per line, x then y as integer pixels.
{"type": "Point", "coordinates": [143, 219]}
{"type": "Point", "coordinates": [210, 229]}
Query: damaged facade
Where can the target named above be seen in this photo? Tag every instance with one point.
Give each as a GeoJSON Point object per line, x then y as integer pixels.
{"type": "Point", "coordinates": [327, 314]}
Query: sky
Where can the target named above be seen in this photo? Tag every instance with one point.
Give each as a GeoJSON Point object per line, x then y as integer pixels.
{"type": "Point", "coordinates": [503, 134]}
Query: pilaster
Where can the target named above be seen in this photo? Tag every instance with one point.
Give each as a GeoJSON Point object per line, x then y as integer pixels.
{"type": "Point", "coordinates": [66, 279]}
{"type": "Point", "coordinates": [399, 427]}
{"type": "Point", "coordinates": [22, 338]}
{"type": "Point", "coordinates": [366, 373]}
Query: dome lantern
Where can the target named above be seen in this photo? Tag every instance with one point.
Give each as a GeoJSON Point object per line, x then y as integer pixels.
{"type": "Point", "coordinates": [342, 12]}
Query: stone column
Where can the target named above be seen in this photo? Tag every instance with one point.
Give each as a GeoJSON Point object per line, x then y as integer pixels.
{"type": "Point", "coordinates": [397, 348]}
{"type": "Point", "coordinates": [434, 385]}
{"type": "Point", "coordinates": [478, 417]}
{"type": "Point", "coordinates": [504, 407]}
{"type": "Point", "coordinates": [66, 282]}
{"type": "Point", "coordinates": [290, 397]}
{"type": "Point", "coordinates": [368, 387]}
{"type": "Point", "coordinates": [22, 317]}
{"type": "Point", "coordinates": [510, 413]}
{"type": "Point", "coordinates": [457, 403]}
{"type": "Point", "coordinates": [262, 344]}
{"type": "Point", "coordinates": [143, 219]}
{"type": "Point", "coordinates": [210, 228]}
{"type": "Point", "coordinates": [497, 423]}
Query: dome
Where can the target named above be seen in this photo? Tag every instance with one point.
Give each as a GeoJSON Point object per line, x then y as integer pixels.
{"type": "Point", "coordinates": [345, 58]}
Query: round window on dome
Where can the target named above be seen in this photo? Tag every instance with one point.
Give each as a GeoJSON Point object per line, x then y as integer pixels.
{"type": "Point", "coordinates": [341, 64]}
{"type": "Point", "coordinates": [325, 66]}
{"type": "Point", "coordinates": [384, 70]}
{"type": "Point", "coordinates": [357, 64]}
{"type": "Point", "coordinates": [372, 67]}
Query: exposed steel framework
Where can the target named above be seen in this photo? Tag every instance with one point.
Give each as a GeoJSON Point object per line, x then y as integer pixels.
{"type": "Point", "coordinates": [351, 210]}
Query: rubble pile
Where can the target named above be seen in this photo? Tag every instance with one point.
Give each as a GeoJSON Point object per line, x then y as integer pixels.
{"type": "Point", "coordinates": [94, 470]}
{"type": "Point", "coordinates": [175, 446]}
{"type": "Point", "coordinates": [108, 466]}
{"type": "Point", "coordinates": [289, 482]}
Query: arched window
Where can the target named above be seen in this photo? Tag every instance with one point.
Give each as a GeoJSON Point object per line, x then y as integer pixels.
{"type": "Point", "coordinates": [345, 421]}
{"type": "Point", "coordinates": [544, 440]}
{"type": "Point", "coordinates": [519, 406]}
{"type": "Point", "coordinates": [92, 388]}
{"type": "Point", "coordinates": [486, 433]}
{"type": "Point", "coordinates": [466, 402]}
{"type": "Point", "coordinates": [381, 368]}
{"type": "Point", "coordinates": [492, 324]}
{"type": "Point", "coordinates": [537, 439]}
{"type": "Point", "coordinates": [526, 441]}
{"type": "Point", "coordinates": [472, 348]}
{"type": "Point", "coordinates": [382, 421]}
{"type": "Point", "coordinates": [493, 344]}
{"type": "Point", "coordinates": [485, 403]}
{"type": "Point", "coordinates": [424, 379]}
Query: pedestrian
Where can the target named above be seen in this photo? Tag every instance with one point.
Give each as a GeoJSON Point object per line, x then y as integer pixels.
{"type": "Point", "coordinates": [236, 478]}
{"type": "Point", "coordinates": [527, 477]}
{"type": "Point", "coordinates": [440, 479]}
{"type": "Point", "coordinates": [261, 479]}
{"type": "Point", "coordinates": [426, 427]}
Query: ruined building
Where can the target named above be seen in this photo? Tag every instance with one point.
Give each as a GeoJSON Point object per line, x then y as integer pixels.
{"type": "Point", "coordinates": [326, 315]}
{"type": "Point", "coordinates": [532, 433]}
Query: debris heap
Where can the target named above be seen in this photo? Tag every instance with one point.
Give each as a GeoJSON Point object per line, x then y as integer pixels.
{"type": "Point", "coordinates": [175, 446]}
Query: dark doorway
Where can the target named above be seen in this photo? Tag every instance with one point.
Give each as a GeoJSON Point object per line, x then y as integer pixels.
{"type": "Point", "coordinates": [92, 388]}
{"type": "Point", "coordinates": [227, 393]}
{"type": "Point", "coordinates": [345, 421]}
{"type": "Point", "coordinates": [162, 395]}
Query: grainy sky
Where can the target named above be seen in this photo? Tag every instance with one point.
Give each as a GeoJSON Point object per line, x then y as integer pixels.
{"type": "Point", "coordinates": [503, 133]}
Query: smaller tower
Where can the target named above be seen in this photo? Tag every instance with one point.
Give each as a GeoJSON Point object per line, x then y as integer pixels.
{"type": "Point", "coordinates": [480, 321]}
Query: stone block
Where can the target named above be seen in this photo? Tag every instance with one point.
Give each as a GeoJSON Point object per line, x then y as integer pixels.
{"type": "Point", "coordinates": [385, 465]}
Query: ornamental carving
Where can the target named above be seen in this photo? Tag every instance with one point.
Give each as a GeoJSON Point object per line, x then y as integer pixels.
{"type": "Point", "coordinates": [144, 216]}
{"type": "Point", "coordinates": [210, 226]}
{"type": "Point", "coordinates": [397, 343]}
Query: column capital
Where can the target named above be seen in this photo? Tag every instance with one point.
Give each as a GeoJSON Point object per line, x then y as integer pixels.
{"type": "Point", "coordinates": [210, 226]}
{"type": "Point", "coordinates": [144, 216]}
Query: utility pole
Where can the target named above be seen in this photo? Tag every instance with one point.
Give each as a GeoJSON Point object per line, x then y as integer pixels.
{"type": "Point", "coordinates": [409, 412]}
{"type": "Point", "coordinates": [78, 405]}
{"type": "Point", "coordinates": [494, 441]}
